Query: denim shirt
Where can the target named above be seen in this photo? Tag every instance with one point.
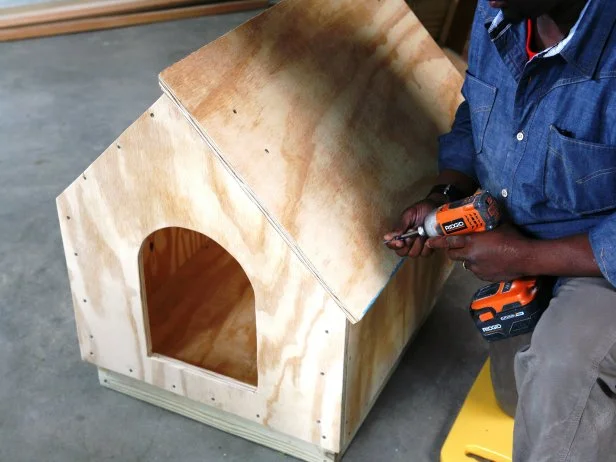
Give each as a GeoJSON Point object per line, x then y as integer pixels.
{"type": "Point", "coordinates": [541, 134]}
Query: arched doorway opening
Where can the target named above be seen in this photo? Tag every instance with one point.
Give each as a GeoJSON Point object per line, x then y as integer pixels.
{"type": "Point", "coordinates": [200, 304]}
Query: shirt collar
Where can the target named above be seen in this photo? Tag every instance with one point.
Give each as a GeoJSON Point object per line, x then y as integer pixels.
{"type": "Point", "coordinates": [584, 45]}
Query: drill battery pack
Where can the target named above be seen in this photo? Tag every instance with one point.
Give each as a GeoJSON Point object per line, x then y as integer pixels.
{"type": "Point", "coordinates": [506, 309]}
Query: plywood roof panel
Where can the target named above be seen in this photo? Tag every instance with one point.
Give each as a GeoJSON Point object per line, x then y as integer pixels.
{"type": "Point", "coordinates": [327, 113]}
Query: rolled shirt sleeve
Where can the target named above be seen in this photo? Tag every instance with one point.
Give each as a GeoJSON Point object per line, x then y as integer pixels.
{"type": "Point", "coordinates": [604, 247]}
{"type": "Point", "coordinates": [456, 148]}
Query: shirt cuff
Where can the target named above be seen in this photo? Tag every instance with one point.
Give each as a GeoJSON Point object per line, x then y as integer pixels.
{"type": "Point", "coordinates": [604, 247]}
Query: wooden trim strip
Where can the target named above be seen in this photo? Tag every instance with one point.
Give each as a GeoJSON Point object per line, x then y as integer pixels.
{"type": "Point", "coordinates": [124, 20]}
{"type": "Point", "coordinates": [76, 9]}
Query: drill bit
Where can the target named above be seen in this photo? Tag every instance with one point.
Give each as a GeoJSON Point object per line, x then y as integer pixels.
{"type": "Point", "coordinates": [404, 236]}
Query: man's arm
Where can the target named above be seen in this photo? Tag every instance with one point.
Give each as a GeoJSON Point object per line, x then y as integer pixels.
{"type": "Point", "coordinates": [457, 149]}
{"type": "Point", "coordinates": [505, 254]}
{"type": "Point", "coordinates": [570, 256]}
{"type": "Point", "coordinates": [456, 166]}
{"type": "Point", "coordinates": [456, 158]}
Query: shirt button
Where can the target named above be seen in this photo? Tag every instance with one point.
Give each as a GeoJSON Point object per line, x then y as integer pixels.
{"type": "Point", "coordinates": [504, 193]}
{"type": "Point", "coordinates": [520, 136]}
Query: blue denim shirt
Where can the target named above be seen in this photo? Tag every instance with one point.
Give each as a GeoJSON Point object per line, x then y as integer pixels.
{"type": "Point", "coordinates": [542, 134]}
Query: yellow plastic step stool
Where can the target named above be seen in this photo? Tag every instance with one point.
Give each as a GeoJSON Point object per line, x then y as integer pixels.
{"type": "Point", "coordinates": [482, 429]}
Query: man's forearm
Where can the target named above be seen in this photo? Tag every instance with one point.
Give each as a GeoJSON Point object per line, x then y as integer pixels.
{"type": "Point", "coordinates": [570, 256]}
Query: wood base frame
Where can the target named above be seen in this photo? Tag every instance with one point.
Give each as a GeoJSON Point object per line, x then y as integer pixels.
{"type": "Point", "coordinates": [216, 418]}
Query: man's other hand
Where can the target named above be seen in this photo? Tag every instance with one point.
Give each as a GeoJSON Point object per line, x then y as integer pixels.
{"type": "Point", "coordinates": [499, 255]}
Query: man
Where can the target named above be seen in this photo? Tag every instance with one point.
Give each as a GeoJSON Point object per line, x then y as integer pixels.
{"type": "Point", "coordinates": [538, 128]}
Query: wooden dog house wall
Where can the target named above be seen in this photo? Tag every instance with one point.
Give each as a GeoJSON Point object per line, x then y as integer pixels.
{"type": "Point", "coordinates": [224, 252]}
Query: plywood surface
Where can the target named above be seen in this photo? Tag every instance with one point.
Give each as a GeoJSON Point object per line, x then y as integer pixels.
{"type": "Point", "coordinates": [204, 315]}
{"type": "Point", "coordinates": [160, 174]}
{"type": "Point", "coordinates": [375, 345]}
{"type": "Point", "coordinates": [327, 115]}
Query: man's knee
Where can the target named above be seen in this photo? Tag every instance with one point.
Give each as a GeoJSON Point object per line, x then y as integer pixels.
{"type": "Point", "coordinates": [571, 339]}
{"type": "Point", "coordinates": [571, 351]}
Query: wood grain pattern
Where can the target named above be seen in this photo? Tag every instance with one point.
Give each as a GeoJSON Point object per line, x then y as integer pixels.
{"type": "Point", "coordinates": [53, 11]}
{"type": "Point", "coordinates": [329, 149]}
{"type": "Point", "coordinates": [72, 26]}
{"type": "Point", "coordinates": [204, 314]}
{"type": "Point", "coordinates": [376, 344]}
{"type": "Point", "coordinates": [160, 174]}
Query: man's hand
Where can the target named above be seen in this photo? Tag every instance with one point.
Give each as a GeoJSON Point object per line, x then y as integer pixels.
{"type": "Point", "coordinates": [411, 218]}
{"type": "Point", "coordinates": [500, 255]}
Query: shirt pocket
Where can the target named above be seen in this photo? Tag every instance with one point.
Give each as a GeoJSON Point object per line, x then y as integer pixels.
{"type": "Point", "coordinates": [580, 176]}
{"type": "Point", "coordinates": [481, 98]}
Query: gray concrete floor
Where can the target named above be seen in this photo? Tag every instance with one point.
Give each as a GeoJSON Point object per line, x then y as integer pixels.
{"type": "Point", "coordinates": [62, 101]}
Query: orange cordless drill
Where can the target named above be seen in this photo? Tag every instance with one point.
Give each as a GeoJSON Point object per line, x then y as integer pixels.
{"type": "Point", "coordinates": [474, 214]}
{"type": "Point", "coordinates": [503, 309]}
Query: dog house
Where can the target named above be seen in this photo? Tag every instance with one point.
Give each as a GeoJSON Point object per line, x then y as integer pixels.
{"type": "Point", "coordinates": [225, 254]}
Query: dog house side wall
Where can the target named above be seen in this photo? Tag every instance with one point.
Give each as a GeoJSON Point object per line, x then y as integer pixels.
{"type": "Point", "coordinates": [160, 174]}
{"type": "Point", "coordinates": [376, 344]}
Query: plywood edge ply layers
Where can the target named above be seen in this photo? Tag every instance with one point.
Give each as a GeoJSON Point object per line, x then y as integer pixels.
{"type": "Point", "coordinates": [327, 114]}
{"type": "Point", "coordinates": [159, 174]}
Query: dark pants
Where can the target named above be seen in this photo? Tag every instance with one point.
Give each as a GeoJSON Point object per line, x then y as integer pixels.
{"type": "Point", "coordinates": [565, 377]}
